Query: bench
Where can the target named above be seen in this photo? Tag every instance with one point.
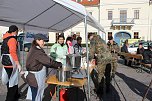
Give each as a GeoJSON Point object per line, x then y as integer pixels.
{"type": "Point", "coordinates": [136, 60]}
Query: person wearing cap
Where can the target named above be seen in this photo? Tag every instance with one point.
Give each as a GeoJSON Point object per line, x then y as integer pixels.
{"type": "Point", "coordinates": [147, 56]}
{"type": "Point", "coordinates": [140, 49]}
{"type": "Point", "coordinates": [114, 49]}
{"type": "Point", "coordinates": [10, 62]}
{"type": "Point", "coordinates": [36, 63]}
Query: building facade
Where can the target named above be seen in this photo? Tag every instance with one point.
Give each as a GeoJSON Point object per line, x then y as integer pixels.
{"type": "Point", "coordinates": [127, 19]}
{"type": "Point", "coordinates": [92, 7]}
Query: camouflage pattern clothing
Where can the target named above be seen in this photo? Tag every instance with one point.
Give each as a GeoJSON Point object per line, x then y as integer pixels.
{"type": "Point", "coordinates": [114, 49]}
{"type": "Point", "coordinates": [99, 48]}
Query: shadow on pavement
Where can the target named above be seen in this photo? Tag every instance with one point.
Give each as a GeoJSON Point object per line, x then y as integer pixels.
{"type": "Point", "coordinates": [136, 86]}
{"type": "Point", "coordinates": [113, 95]}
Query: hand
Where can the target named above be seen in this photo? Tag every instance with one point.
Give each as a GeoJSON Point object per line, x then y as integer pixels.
{"type": "Point", "coordinates": [93, 61]}
{"type": "Point", "coordinates": [19, 67]}
{"type": "Point", "coordinates": [22, 72]}
{"type": "Point", "coordinates": [59, 65]}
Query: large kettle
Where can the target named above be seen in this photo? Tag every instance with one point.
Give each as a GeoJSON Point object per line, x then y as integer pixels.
{"type": "Point", "coordinates": [73, 61]}
{"type": "Point", "coordinates": [63, 74]}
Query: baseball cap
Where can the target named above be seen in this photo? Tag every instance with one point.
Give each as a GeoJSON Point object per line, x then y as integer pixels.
{"type": "Point", "coordinates": [40, 36]}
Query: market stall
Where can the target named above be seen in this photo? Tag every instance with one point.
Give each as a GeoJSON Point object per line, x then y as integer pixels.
{"type": "Point", "coordinates": [47, 16]}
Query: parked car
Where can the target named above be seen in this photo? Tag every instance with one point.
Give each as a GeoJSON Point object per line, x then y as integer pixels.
{"type": "Point", "coordinates": [24, 46]}
{"type": "Point", "coordinates": [133, 47]}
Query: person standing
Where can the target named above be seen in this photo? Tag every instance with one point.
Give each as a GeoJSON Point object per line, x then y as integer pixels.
{"type": "Point", "coordinates": [114, 49]}
{"type": "Point", "coordinates": [59, 50]}
{"type": "Point", "coordinates": [36, 63]}
{"type": "Point", "coordinates": [10, 62]}
{"type": "Point", "coordinates": [69, 45]}
{"type": "Point", "coordinates": [74, 41]}
{"type": "Point", "coordinates": [78, 47]}
{"type": "Point", "coordinates": [99, 49]}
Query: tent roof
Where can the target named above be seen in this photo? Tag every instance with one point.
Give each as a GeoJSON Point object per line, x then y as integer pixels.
{"type": "Point", "coordinates": [44, 15]}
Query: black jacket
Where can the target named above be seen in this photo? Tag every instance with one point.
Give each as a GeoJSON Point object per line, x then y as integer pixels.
{"type": "Point", "coordinates": [140, 51]}
{"type": "Point", "coordinates": [124, 48]}
{"type": "Point", "coordinates": [147, 56]}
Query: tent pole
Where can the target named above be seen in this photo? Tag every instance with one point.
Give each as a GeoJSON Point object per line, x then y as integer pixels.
{"type": "Point", "coordinates": [88, 73]}
{"type": "Point", "coordinates": [23, 48]}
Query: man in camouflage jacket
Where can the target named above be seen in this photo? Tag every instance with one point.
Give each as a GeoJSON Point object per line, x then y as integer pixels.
{"type": "Point", "coordinates": [98, 49]}
{"type": "Point", "coordinates": [114, 49]}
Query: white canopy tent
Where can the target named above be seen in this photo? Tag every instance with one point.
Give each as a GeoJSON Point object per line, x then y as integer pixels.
{"type": "Point", "coordinates": [46, 16]}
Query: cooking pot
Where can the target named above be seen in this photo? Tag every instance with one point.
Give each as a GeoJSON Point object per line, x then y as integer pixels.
{"type": "Point", "coordinates": [73, 61]}
{"type": "Point", "coordinates": [63, 74]}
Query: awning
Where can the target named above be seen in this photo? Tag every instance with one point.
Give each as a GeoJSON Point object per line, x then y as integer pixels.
{"type": "Point", "coordinates": [44, 15]}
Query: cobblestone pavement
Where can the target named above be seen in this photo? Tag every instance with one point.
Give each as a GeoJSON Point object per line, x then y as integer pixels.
{"type": "Point", "coordinates": [127, 86]}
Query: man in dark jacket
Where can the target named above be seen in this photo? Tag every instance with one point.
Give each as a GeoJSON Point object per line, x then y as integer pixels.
{"type": "Point", "coordinates": [124, 48]}
{"type": "Point", "coordinates": [77, 46]}
{"type": "Point", "coordinates": [140, 49]}
{"type": "Point", "coordinates": [148, 55]}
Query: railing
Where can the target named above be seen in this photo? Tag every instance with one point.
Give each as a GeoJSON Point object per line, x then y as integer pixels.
{"type": "Point", "coordinates": [123, 21]}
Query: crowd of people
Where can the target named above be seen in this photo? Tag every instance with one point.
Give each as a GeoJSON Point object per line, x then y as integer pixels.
{"type": "Point", "coordinates": [36, 62]}
{"type": "Point", "coordinates": [105, 55]}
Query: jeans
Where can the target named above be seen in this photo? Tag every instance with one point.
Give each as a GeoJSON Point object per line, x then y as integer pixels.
{"type": "Point", "coordinates": [34, 92]}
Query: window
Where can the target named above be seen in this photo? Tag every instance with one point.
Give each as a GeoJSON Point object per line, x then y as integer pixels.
{"type": "Point", "coordinates": [136, 35]}
{"type": "Point", "coordinates": [109, 15]}
{"type": "Point", "coordinates": [90, 0]}
{"type": "Point", "coordinates": [136, 14]}
{"type": "Point", "coordinates": [123, 16]}
{"type": "Point", "coordinates": [109, 35]}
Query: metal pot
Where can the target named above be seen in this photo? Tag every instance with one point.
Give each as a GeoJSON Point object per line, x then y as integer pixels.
{"type": "Point", "coordinates": [73, 61]}
{"type": "Point", "coordinates": [63, 74]}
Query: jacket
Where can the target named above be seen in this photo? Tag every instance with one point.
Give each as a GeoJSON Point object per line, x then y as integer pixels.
{"type": "Point", "coordinates": [37, 58]}
{"type": "Point", "coordinates": [124, 48]}
{"type": "Point", "coordinates": [147, 56]}
{"type": "Point", "coordinates": [9, 46]}
{"type": "Point", "coordinates": [140, 51]}
{"type": "Point", "coordinates": [114, 49]}
{"type": "Point", "coordinates": [58, 53]}
{"type": "Point", "coordinates": [99, 47]}
{"type": "Point", "coordinates": [77, 49]}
